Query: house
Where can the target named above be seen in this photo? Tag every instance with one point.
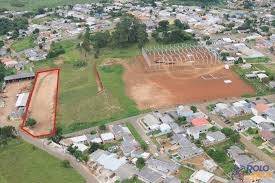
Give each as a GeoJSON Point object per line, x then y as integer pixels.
{"type": "Point", "coordinates": [79, 139]}
{"type": "Point", "coordinates": [210, 165]}
{"type": "Point", "coordinates": [185, 148]}
{"type": "Point", "coordinates": [109, 161]}
{"type": "Point", "coordinates": [266, 126]}
{"type": "Point", "coordinates": [199, 122]}
{"type": "Point", "coordinates": [118, 131]}
{"type": "Point", "coordinates": [184, 111]}
{"type": "Point", "coordinates": [262, 76]}
{"type": "Point", "coordinates": [107, 137]}
{"type": "Point", "coordinates": [272, 84]}
{"type": "Point", "coordinates": [197, 130]}
{"type": "Point", "coordinates": [271, 144]}
{"type": "Point", "coordinates": [148, 175]}
{"type": "Point", "coordinates": [22, 100]}
{"type": "Point", "coordinates": [94, 138]}
{"type": "Point", "coordinates": [128, 145]}
{"type": "Point", "coordinates": [171, 179]}
{"type": "Point", "coordinates": [258, 119]}
{"type": "Point", "coordinates": [81, 147]}
{"type": "Point", "coordinates": [166, 118]}
{"type": "Point", "coordinates": [163, 167]}
{"type": "Point", "coordinates": [266, 135]}
{"type": "Point", "coordinates": [150, 122]}
{"type": "Point", "coordinates": [202, 176]}
{"type": "Point", "coordinates": [165, 128]}
{"type": "Point", "coordinates": [244, 125]}
{"type": "Point", "coordinates": [239, 156]}
{"type": "Point", "coordinates": [214, 137]}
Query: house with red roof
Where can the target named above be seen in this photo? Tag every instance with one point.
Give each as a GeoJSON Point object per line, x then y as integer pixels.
{"type": "Point", "coordinates": [199, 122]}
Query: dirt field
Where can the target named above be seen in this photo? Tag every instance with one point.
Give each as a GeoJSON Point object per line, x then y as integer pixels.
{"type": "Point", "coordinates": [186, 84]}
{"type": "Point", "coordinates": [12, 89]}
{"type": "Point", "coordinates": [42, 104]}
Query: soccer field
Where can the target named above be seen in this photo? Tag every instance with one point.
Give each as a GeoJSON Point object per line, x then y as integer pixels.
{"type": "Point", "coordinates": [23, 163]}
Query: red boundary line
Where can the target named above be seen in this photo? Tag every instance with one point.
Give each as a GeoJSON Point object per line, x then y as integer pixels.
{"type": "Point", "coordinates": [24, 117]}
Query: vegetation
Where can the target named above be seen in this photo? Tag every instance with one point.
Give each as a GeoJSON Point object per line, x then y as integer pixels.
{"type": "Point", "coordinates": [175, 33]}
{"type": "Point", "coordinates": [4, 72]}
{"type": "Point", "coordinates": [260, 87]}
{"type": "Point", "coordinates": [194, 108]}
{"type": "Point", "coordinates": [137, 136]}
{"type": "Point", "coordinates": [233, 136]}
{"type": "Point", "coordinates": [185, 174]}
{"type": "Point", "coordinates": [181, 120]}
{"type": "Point", "coordinates": [252, 131]}
{"type": "Point", "coordinates": [257, 140]}
{"type": "Point", "coordinates": [102, 127]}
{"type": "Point", "coordinates": [66, 164]}
{"type": "Point", "coordinates": [219, 154]}
{"type": "Point", "coordinates": [30, 122]}
{"type": "Point", "coordinates": [140, 163]}
{"type": "Point", "coordinates": [20, 162]}
{"type": "Point", "coordinates": [240, 118]}
{"type": "Point", "coordinates": [76, 153]}
{"type": "Point", "coordinates": [7, 25]}
{"type": "Point", "coordinates": [6, 133]}
{"type": "Point", "coordinates": [23, 43]}
{"type": "Point", "coordinates": [56, 50]}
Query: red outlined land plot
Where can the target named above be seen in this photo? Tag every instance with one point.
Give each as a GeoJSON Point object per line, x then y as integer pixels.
{"type": "Point", "coordinates": [42, 104]}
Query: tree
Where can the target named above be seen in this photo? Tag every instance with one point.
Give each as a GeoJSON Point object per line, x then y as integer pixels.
{"type": "Point", "coordinates": [36, 31]}
{"type": "Point", "coordinates": [163, 25]}
{"type": "Point", "coordinates": [56, 50]}
{"type": "Point", "coordinates": [264, 28]}
{"type": "Point", "coordinates": [102, 127]}
{"type": "Point", "coordinates": [30, 122]}
{"type": "Point", "coordinates": [227, 132]}
{"type": "Point", "coordinates": [93, 147]}
{"type": "Point", "coordinates": [142, 36]}
{"type": "Point", "coordinates": [194, 108]}
{"type": "Point", "coordinates": [181, 25]}
{"type": "Point", "coordinates": [100, 39]}
{"type": "Point", "coordinates": [218, 155]}
{"type": "Point", "coordinates": [140, 163]}
{"type": "Point", "coordinates": [1, 43]}
{"type": "Point", "coordinates": [86, 44]}
{"type": "Point", "coordinates": [4, 72]}
{"type": "Point", "coordinates": [181, 120]}
{"type": "Point", "coordinates": [66, 164]}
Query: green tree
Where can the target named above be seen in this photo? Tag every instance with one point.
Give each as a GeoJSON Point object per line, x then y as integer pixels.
{"type": "Point", "coordinates": [93, 147]}
{"type": "Point", "coordinates": [227, 132]}
{"type": "Point", "coordinates": [181, 120]}
{"type": "Point", "coordinates": [101, 39]}
{"type": "Point", "coordinates": [66, 164]}
{"type": "Point", "coordinates": [163, 25]}
{"type": "Point", "coordinates": [142, 36]}
{"type": "Point", "coordinates": [30, 122]}
{"type": "Point", "coordinates": [194, 108]}
{"type": "Point", "coordinates": [86, 44]}
{"type": "Point", "coordinates": [140, 163]}
{"type": "Point", "coordinates": [1, 43]}
{"type": "Point", "coordinates": [102, 127]}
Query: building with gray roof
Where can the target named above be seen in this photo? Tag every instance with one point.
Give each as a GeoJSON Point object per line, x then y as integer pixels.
{"type": "Point", "coordinates": [164, 167]}
{"type": "Point", "coordinates": [20, 76]}
{"type": "Point", "coordinates": [148, 175]}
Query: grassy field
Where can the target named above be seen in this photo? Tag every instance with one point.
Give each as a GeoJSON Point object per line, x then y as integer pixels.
{"type": "Point", "coordinates": [22, 163]}
{"type": "Point", "coordinates": [184, 174]}
{"type": "Point", "coordinates": [260, 88]}
{"type": "Point", "coordinates": [22, 44]}
{"type": "Point", "coordinates": [35, 4]}
{"type": "Point", "coordinates": [80, 106]}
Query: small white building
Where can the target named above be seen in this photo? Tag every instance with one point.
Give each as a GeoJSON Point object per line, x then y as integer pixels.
{"type": "Point", "coordinates": [202, 176]}
{"type": "Point", "coordinates": [210, 165]}
{"type": "Point", "coordinates": [22, 100]}
{"type": "Point", "coordinates": [165, 128]}
{"type": "Point", "coordinates": [107, 137]}
{"type": "Point", "coordinates": [262, 76]}
{"type": "Point", "coordinates": [79, 139]}
{"type": "Point", "coordinates": [81, 147]}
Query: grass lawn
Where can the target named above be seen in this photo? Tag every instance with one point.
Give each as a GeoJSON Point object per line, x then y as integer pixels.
{"type": "Point", "coordinates": [136, 135]}
{"type": "Point", "coordinates": [257, 60]}
{"type": "Point", "coordinates": [22, 44]}
{"type": "Point", "coordinates": [42, 20]}
{"type": "Point", "coordinates": [227, 164]}
{"type": "Point", "coordinates": [240, 118]}
{"type": "Point", "coordinates": [79, 104]}
{"type": "Point", "coordinates": [35, 4]}
{"type": "Point", "coordinates": [261, 88]}
{"type": "Point", "coordinates": [257, 140]}
{"type": "Point", "coordinates": [184, 174]}
{"type": "Point", "coordinates": [21, 163]}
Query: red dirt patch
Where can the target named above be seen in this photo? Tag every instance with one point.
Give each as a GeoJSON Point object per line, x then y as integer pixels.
{"type": "Point", "coordinates": [182, 85]}
{"type": "Point", "coordinates": [42, 104]}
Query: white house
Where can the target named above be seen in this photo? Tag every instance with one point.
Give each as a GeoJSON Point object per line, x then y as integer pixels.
{"type": "Point", "coordinates": [202, 176]}
{"type": "Point", "coordinates": [107, 137]}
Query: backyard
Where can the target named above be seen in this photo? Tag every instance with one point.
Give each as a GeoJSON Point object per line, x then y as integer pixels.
{"type": "Point", "coordinates": [23, 43]}
{"type": "Point", "coordinates": [24, 163]}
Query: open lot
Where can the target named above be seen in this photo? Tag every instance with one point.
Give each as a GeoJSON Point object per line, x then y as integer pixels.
{"type": "Point", "coordinates": [41, 104]}
{"type": "Point", "coordinates": [23, 163]}
{"type": "Point", "coordinates": [185, 85]}
{"type": "Point", "coordinates": [23, 43]}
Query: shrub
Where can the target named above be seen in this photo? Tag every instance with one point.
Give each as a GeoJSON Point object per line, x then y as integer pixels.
{"type": "Point", "coordinates": [31, 122]}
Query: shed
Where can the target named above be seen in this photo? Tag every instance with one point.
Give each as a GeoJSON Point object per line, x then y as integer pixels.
{"type": "Point", "coordinates": [22, 100]}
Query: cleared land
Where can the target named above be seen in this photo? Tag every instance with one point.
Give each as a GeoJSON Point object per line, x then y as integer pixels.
{"type": "Point", "coordinates": [184, 85]}
{"type": "Point", "coordinates": [22, 163]}
{"type": "Point", "coordinates": [42, 103]}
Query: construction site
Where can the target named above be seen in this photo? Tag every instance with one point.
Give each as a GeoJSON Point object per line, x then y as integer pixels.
{"type": "Point", "coordinates": [176, 74]}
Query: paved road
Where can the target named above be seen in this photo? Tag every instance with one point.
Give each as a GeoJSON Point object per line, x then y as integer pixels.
{"type": "Point", "coordinates": [80, 168]}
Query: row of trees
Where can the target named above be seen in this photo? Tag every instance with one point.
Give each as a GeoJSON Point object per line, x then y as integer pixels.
{"type": "Point", "coordinates": [7, 25]}
{"type": "Point", "coordinates": [128, 31]}
{"type": "Point", "coordinates": [6, 133]}
{"type": "Point", "coordinates": [4, 72]}
{"type": "Point", "coordinates": [174, 33]}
